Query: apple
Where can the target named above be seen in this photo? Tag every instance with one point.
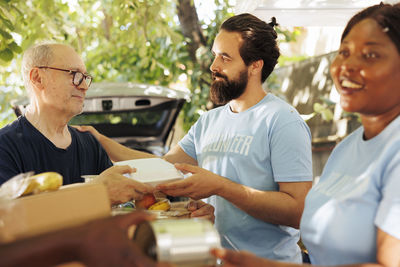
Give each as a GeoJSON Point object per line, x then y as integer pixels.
{"type": "Point", "coordinates": [147, 200]}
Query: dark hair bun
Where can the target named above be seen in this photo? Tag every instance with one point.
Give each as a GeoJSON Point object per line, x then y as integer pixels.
{"type": "Point", "coordinates": [273, 22]}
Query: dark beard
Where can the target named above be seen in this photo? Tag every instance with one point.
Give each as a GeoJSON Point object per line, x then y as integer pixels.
{"type": "Point", "coordinates": [224, 91]}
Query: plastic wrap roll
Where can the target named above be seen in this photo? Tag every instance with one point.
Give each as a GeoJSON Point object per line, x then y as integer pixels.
{"type": "Point", "coordinates": [184, 242]}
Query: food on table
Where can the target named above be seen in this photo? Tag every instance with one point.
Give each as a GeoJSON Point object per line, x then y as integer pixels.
{"type": "Point", "coordinates": [147, 200]}
{"type": "Point", "coordinates": [46, 181]}
{"type": "Point", "coordinates": [163, 205]}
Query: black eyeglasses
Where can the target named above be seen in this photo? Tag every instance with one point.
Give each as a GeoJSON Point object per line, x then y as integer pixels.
{"type": "Point", "coordinates": [77, 77]}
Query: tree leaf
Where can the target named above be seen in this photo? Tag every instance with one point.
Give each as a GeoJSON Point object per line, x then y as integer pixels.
{"type": "Point", "coordinates": [7, 14]}
{"type": "Point", "coordinates": [7, 23]}
{"type": "Point", "coordinates": [5, 34]}
{"type": "Point", "coordinates": [15, 48]}
{"type": "Point", "coordinates": [6, 55]}
{"type": "Point", "coordinates": [327, 115]}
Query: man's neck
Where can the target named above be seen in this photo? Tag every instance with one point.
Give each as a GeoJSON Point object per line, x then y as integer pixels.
{"type": "Point", "coordinates": [51, 125]}
{"type": "Point", "coordinates": [251, 96]}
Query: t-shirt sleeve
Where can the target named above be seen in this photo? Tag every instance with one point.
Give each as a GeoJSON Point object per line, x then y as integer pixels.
{"type": "Point", "coordinates": [291, 153]}
{"type": "Point", "coordinates": [187, 143]}
{"type": "Point", "coordinates": [388, 214]}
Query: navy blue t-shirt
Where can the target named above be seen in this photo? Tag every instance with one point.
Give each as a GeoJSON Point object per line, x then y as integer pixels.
{"type": "Point", "coordinates": [23, 148]}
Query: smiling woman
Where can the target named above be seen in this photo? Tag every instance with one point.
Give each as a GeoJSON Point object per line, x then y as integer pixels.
{"type": "Point", "coordinates": [351, 215]}
{"type": "Point", "coordinates": [367, 70]}
{"type": "Point", "coordinates": [366, 73]}
{"type": "Point", "coordinates": [356, 197]}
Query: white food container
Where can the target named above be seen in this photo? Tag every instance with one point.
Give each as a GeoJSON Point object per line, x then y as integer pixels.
{"type": "Point", "coordinates": [152, 171]}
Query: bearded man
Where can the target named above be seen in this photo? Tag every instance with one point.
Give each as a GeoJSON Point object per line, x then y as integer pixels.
{"type": "Point", "coordinates": [250, 157]}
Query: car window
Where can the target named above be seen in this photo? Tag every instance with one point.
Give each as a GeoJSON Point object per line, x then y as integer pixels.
{"type": "Point", "coordinates": [151, 122]}
{"type": "Point", "coordinates": [132, 117]}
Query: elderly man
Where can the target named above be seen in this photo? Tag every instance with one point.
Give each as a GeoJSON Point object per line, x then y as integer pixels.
{"type": "Point", "coordinates": [40, 140]}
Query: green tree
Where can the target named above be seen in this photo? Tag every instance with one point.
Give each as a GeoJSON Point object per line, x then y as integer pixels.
{"type": "Point", "coordinates": [149, 41]}
{"type": "Point", "coordinates": [26, 21]}
{"type": "Point", "coordinates": [120, 40]}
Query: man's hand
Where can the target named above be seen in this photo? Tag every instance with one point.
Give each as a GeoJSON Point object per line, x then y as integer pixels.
{"type": "Point", "coordinates": [200, 184]}
{"type": "Point", "coordinates": [200, 209]}
{"type": "Point", "coordinates": [120, 188]}
{"type": "Point", "coordinates": [90, 129]}
{"type": "Point", "coordinates": [103, 242]}
{"type": "Point", "coordinates": [232, 258]}
{"type": "Point", "coordinates": [106, 242]}
{"type": "Point", "coordinates": [115, 150]}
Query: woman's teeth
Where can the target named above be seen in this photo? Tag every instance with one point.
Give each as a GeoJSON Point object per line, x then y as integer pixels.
{"type": "Point", "coordinates": [349, 84]}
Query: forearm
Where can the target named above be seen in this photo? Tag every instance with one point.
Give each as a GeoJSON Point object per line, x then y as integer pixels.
{"type": "Point", "coordinates": [177, 155]}
{"type": "Point", "coordinates": [118, 152]}
{"type": "Point", "coordinates": [244, 258]}
{"type": "Point", "coordinates": [270, 263]}
{"type": "Point", "coordinates": [45, 250]}
{"type": "Point", "coordinates": [269, 206]}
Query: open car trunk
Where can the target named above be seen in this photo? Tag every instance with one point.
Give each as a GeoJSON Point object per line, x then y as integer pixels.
{"type": "Point", "coordinates": [140, 116]}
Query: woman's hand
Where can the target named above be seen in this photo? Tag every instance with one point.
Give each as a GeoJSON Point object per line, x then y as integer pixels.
{"type": "Point", "coordinates": [232, 258]}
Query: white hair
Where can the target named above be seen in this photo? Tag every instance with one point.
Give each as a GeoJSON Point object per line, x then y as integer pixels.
{"type": "Point", "coordinates": [36, 55]}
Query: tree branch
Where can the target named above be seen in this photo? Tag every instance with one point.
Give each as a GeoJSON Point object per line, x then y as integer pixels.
{"type": "Point", "coordinates": [190, 26]}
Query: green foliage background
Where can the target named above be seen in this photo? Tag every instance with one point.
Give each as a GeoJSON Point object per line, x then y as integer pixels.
{"type": "Point", "coordinates": [119, 40]}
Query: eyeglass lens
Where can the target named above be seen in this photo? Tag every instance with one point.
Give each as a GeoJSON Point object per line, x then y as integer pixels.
{"type": "Point", "coordinates": [78, 78]}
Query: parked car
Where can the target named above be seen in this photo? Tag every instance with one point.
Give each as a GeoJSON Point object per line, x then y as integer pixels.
{"type": "Point", "coordinates": [140, 116]}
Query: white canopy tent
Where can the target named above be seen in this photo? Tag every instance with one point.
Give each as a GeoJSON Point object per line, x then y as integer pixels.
{"type": "Point", "coordinates": [305, 12]}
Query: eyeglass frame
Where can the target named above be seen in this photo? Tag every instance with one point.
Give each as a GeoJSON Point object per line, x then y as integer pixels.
{"type": "Point", "coordinates": [73, 72]}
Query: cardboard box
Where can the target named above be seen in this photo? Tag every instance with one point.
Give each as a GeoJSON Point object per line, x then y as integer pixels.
{"type": "Point", "coordinates": [69, 206]}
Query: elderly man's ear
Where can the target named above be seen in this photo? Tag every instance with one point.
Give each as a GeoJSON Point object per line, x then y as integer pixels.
{"type": "Point", "coordinates": [35, 78]}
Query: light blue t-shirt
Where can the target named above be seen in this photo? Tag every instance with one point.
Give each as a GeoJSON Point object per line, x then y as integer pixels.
{"type": "Point", "coordinates": [359, 190]}
{"type": "Point", "coordinates": [266, 144]}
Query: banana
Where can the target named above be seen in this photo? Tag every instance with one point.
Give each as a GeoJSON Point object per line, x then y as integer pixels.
{"type": "Point", "coordinates": [163, 205]}
{"type": "Point", "coordinates": [49, 181]}
{"type": "Point", "coordinates": [46, 181]}
{"type": "Point", "coordinates": [32, 185]}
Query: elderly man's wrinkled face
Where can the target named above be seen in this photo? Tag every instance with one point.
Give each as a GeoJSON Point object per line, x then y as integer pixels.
{"type": "Point", "coordinates": [366, 70]}
{"type": "Point", "coordinates": [60, 94]}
